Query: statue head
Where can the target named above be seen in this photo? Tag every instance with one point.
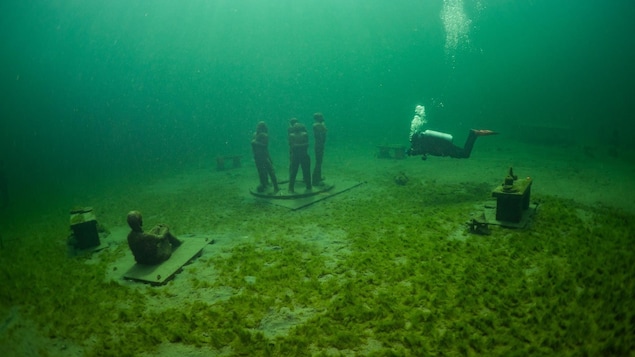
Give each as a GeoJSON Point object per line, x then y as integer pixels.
{"type": "Point", "coordinates": [262, 127]}
{"type": "Point", "coordinates": [298, 128]}
{"type": "Point", "coordinates": [135, 221]}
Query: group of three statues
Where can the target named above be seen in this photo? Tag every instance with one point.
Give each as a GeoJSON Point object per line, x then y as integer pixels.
{"type": "Point", "coordinates": [156, 245]}
{"type": "Point", "coordinates": [298, 154]}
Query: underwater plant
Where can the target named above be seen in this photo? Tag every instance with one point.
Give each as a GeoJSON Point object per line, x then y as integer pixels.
{"type": "Point", "coordinates": [388, 282]}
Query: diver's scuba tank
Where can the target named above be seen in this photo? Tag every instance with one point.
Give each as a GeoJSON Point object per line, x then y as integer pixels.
{"type": "Point", "coordinates": [438, 134]}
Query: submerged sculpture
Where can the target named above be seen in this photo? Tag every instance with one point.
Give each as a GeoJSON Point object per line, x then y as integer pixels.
{"type": "Point", "coordinates": [319, 133]}
{"type": "Point", "coordinates": [264, 165]}
{"type": "Point", "coordinates": [151, 247]}
{"type": "Point", "coordinates": [298, 154]}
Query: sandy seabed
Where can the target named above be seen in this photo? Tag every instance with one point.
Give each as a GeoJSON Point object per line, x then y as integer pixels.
{"type": "Point", "coordinates": [382, 269]}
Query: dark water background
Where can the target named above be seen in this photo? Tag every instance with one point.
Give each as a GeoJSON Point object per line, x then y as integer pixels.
{"type": "Point", "coordinates": [102, 89]}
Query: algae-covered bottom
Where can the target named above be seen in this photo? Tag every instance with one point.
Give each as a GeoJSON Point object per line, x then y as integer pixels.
{"type": "Point", "coordinates": [385, 272]}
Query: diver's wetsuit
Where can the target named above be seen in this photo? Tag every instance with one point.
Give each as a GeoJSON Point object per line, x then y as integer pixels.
{"type": "Point", "coordinates": [423, 144]}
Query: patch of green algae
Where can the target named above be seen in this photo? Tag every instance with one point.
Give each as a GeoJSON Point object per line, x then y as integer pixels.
{"type": "Point", "coordinates": [563, 287]}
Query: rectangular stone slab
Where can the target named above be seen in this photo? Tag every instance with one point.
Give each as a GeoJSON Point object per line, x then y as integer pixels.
{"type": "Point", "coordinates": [161, 273]}
{"type": "Point", "coordinates": [298, 203]}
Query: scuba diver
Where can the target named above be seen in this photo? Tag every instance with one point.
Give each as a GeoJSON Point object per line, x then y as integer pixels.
{"type": "Point", "coordinates": [430, 142]}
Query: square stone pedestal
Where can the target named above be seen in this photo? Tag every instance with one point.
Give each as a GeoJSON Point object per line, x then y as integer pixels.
{"type": "Point", "coordinates": [84, 226]}
{"type": "Point", "coordinates": [512, 201]}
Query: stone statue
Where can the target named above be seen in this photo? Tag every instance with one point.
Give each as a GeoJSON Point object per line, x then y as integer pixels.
{"type": "Point", "coordinates": [151, 247]}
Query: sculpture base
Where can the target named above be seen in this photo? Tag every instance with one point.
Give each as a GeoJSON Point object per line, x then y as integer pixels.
{"type": "Point", "coordinates": [302, 197]}
{"type": "Point", "coordinates": [160, 274]}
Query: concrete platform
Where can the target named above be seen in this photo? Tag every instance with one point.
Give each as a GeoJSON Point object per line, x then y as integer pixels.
{"type": "Point", "coordinates": [489, 216]}
{"type": "Point", "coordinates": [160, 274]}
{"type": "Point", "coordinates": [303, 198]}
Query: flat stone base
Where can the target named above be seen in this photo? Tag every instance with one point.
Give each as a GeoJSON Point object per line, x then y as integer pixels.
{"type": "Point", "coordinates": [302, 197]}
{"type": "Point", "coordinates": [160, 274]}
{"type": "Point", "coordinates": [489, 216]}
